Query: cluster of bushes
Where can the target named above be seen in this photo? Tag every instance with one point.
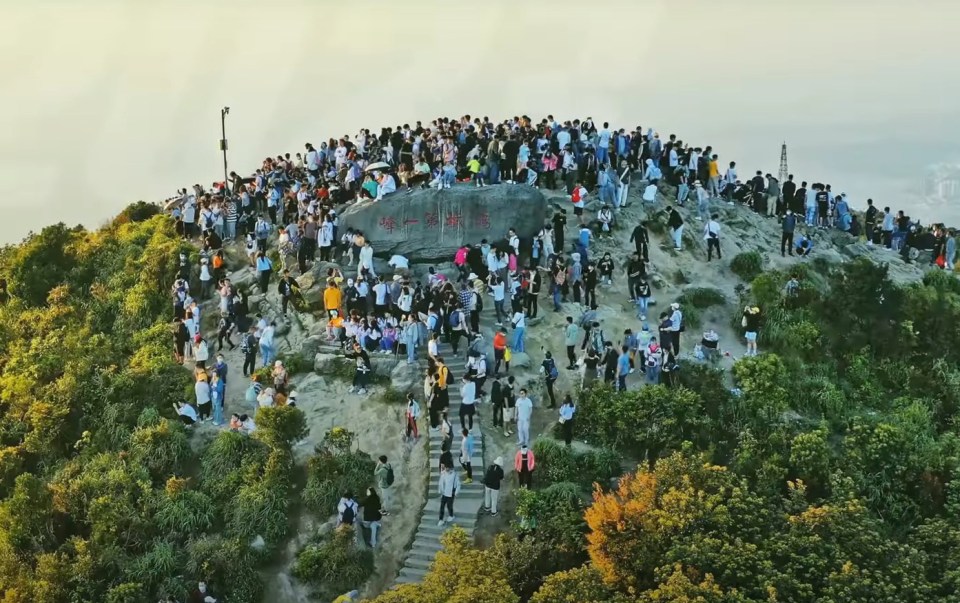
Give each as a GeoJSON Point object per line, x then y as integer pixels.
{"type": "Point", "coordinates": [824, 469]}
{"type": "Point", "coordinates": [336, 468]}
{"type": "Point", "coordinates": [334, 563]}
{"type": "Point", "coordinates": [102, 496]}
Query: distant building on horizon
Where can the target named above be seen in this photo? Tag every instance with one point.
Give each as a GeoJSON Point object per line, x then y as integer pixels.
{"type": "Point", "coordinates": [941, 183]}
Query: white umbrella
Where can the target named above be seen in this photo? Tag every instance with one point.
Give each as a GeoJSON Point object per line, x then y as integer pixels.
{"type": "Point", "coordinates": [171, 203]}
{"type": "Point", "coordinates": [380, 165]}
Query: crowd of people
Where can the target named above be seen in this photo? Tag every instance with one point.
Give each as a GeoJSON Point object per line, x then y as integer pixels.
{"type": "Point", "coordinates": [292, 203]}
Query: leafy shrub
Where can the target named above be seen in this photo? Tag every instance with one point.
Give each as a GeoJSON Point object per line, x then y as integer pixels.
{"type": "Point", "coordinates": [281, 426]}
{"type": "Point", "coordinates": [334, 564]}
{"type": "Point", "coordinates": [228, 565]}
{"type": "Point", "coordinates": [184, 512]}
{"type": "Point", "coordinates": [230, 461]}
{"type": "Point", "coordinates": [162, 448]}
{"type": "Point", "coordinates": [643, 423]}
{"type": "Point", "coordinates": [747, 265]}
{"type": "Point", "coordinates": [558, 463]}
{"type": "Point", "coordinates": [260, 509]}
{"type": "Point", "coordinates": [702, 298]}
{"type": "Point", "coordinates": [336, 469]}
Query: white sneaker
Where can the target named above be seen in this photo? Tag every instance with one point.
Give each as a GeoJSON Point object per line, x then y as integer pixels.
{"type": "Point", "coordinates": [351, 390]}
{"type": "Point", "coordinates": [361, 391]}
{"type": "Point", "coordinates": [451, 519]}
{"type": "Point", "coordinates": [441, 523]}
{"type": "Point", "coordinates": [446, 186]}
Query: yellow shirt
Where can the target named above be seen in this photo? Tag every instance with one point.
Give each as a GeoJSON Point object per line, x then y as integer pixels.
{"type": "Point", "coordinates": [474, 166]}
{"type": "Point", "coordinates": [714, 169]}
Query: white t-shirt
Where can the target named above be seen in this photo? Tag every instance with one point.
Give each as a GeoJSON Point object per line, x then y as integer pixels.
{"type": "Point", "coordinates": [468, 393]}
{"type": "Point", "coordinates": [519, 320]}
{"type": "Point", "coordinates": [604, 138]}
{"type": "Point", "coordinates": [398, 261]}
{"type": "Point", "coordinates": [497, 291]}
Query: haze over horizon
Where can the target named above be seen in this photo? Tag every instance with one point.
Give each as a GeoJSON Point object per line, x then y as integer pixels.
{"type": "Point", "coordinates": [106, 103]}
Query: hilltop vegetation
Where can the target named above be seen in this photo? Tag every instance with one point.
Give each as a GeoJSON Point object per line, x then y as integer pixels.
{"type": "Point", "coordinates": [103, 498]}
{"type": "Point", "coordinates": [828, 474]}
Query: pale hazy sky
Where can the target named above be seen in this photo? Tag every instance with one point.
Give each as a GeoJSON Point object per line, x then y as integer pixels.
{"type": "Point", "coordinates": [104, 102]}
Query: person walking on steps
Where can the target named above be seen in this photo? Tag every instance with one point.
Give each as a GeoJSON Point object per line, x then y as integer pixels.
{"type": "Point", "coordinates": [567, 411]}
{"type": "Point", "coordinates": [448, 487]}
{"type": "Point", "coordinates": [491, 486]}
{"type": "Point", "coordinates": [524, 464]}
{"type": "Point", "coordinates": [468, 402]}
{"type": "Point", "coordinates": [571, 334]}
{"type": "Point", "coordinates": [466, 455]}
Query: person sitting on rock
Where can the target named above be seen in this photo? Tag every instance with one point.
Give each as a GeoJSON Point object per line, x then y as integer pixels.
{"type": "Point", "coordinates": [804, 246]}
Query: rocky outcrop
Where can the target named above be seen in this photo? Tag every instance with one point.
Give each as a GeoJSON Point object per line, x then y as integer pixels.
{"type": "Point", "coordinates": [430, 225]}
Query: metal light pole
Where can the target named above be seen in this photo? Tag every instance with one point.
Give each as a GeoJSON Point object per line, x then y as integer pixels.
{"type": "Point", "coordinates": [223, 147]}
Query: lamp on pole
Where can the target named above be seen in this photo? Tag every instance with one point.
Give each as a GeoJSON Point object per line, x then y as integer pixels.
{"type": "Point", "coordinates": [223, 147]}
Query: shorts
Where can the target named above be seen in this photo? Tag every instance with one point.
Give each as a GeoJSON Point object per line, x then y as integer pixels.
{"type": "Point", "coordinates": [508, 414]}
{"type": "Point", "coordinates": [751, 336]}
{"type": "Point", "coordinates": [578, 211]}
{"type": "Point", "coordinates": [331, 314]}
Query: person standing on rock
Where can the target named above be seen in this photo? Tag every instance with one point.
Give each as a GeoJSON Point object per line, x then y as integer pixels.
{"type": "Point", "coordinates": [361, 370]}
{"type": "Point", "coordinates": [559, 224]}
{"type": "Point", "coordinates": [773, 195]}
{"type": "Point", "coordinates": [550, 374]}
{"type": "Point", "coordinates": [264, 271]}
{"type": "Point", "coordinates": [288, 288]}
{"type": "Point", "coordinates": [676, 327]}
{"type": "Point", "coordinates": [524, 414]}
{"type": "Point", "coordinates": [675, 223]}
{"type": "Point", "coordinates": [448, 487]}
{"type": "Point", "coordinates": [248, 346]}
{"type": "Point", "coordinates": [641, 240]}
{"type": "Point", "coordinates": [532, 294]}
{"type": "Point", "coordinates": [788, 226]}
{"type": "Point", "coordinates": [711, 234]}
{"type": "Point", "coordinates": [524, 464]}
{"type": "Point", "coordinates": [751, 325]}
{"type": "Point", "coordinates": [519, 322]}
{"type": "Point", "coordinates": [571, 334]}
{"type": "Point", "coordinates": [491, 486]}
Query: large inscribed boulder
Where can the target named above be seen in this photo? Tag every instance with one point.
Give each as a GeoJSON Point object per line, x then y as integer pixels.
{"type": "Point", "coordinates": [430, 225]}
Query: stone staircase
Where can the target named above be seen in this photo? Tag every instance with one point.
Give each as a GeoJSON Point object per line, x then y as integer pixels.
{"type": "Point", "coordinates": [467, 505]}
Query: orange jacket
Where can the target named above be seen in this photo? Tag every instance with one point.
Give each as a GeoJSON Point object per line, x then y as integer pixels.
{"type": "Point", "coordinates": [518, 461]}
{"type": "Point", "coordinates": [499, 341]}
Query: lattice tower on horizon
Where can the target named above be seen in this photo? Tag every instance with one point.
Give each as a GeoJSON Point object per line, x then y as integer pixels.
{"type": "Point", "coordinates": [784, 171]}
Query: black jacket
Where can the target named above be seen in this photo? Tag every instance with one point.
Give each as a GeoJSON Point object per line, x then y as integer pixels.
{"type": "Point", "coordinates": [493, 477]}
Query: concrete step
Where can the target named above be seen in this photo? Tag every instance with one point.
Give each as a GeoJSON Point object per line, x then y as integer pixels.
{"type": "Point", "coordinates": [427, 545]}
{"type": "Point", "coordinates": [418, 562]}
{"type": "Point", "coordinates": [428, 526]}
{"type": "Point", "coordinates": [410, 575]}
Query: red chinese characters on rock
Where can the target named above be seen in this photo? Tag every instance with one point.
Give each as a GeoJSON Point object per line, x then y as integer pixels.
{"type": "Point", "coordinates": [432, 220]}
{"type": "Point", "coordinates": [388, 223]}
{"type": "Point", "coordinates": [482, 220]}
{"type": "Point", "coordinates": [453, 220]}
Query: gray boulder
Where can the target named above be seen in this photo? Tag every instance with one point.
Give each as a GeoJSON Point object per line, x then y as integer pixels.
{"type": "Point", "coordinates": [405, 376]}
{"type": "Point", "coordinates": [323, 361]}
{"type": "Point", "coordinates": [520, 360]}
{"type": "Point", "coordinates": [430, 225]}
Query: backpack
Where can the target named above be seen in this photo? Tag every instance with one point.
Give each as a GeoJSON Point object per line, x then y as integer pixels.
{"type": "Point", "coordinates": [455, 319]}
{"type": "Point", "coordinates": [348, 515]}
{"type": "Point", "coordinates": [390, 475]}
{"type": "Point", "coordinates": [552, 371]}
{"type": "Point", "coordinates": [479, 299]}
